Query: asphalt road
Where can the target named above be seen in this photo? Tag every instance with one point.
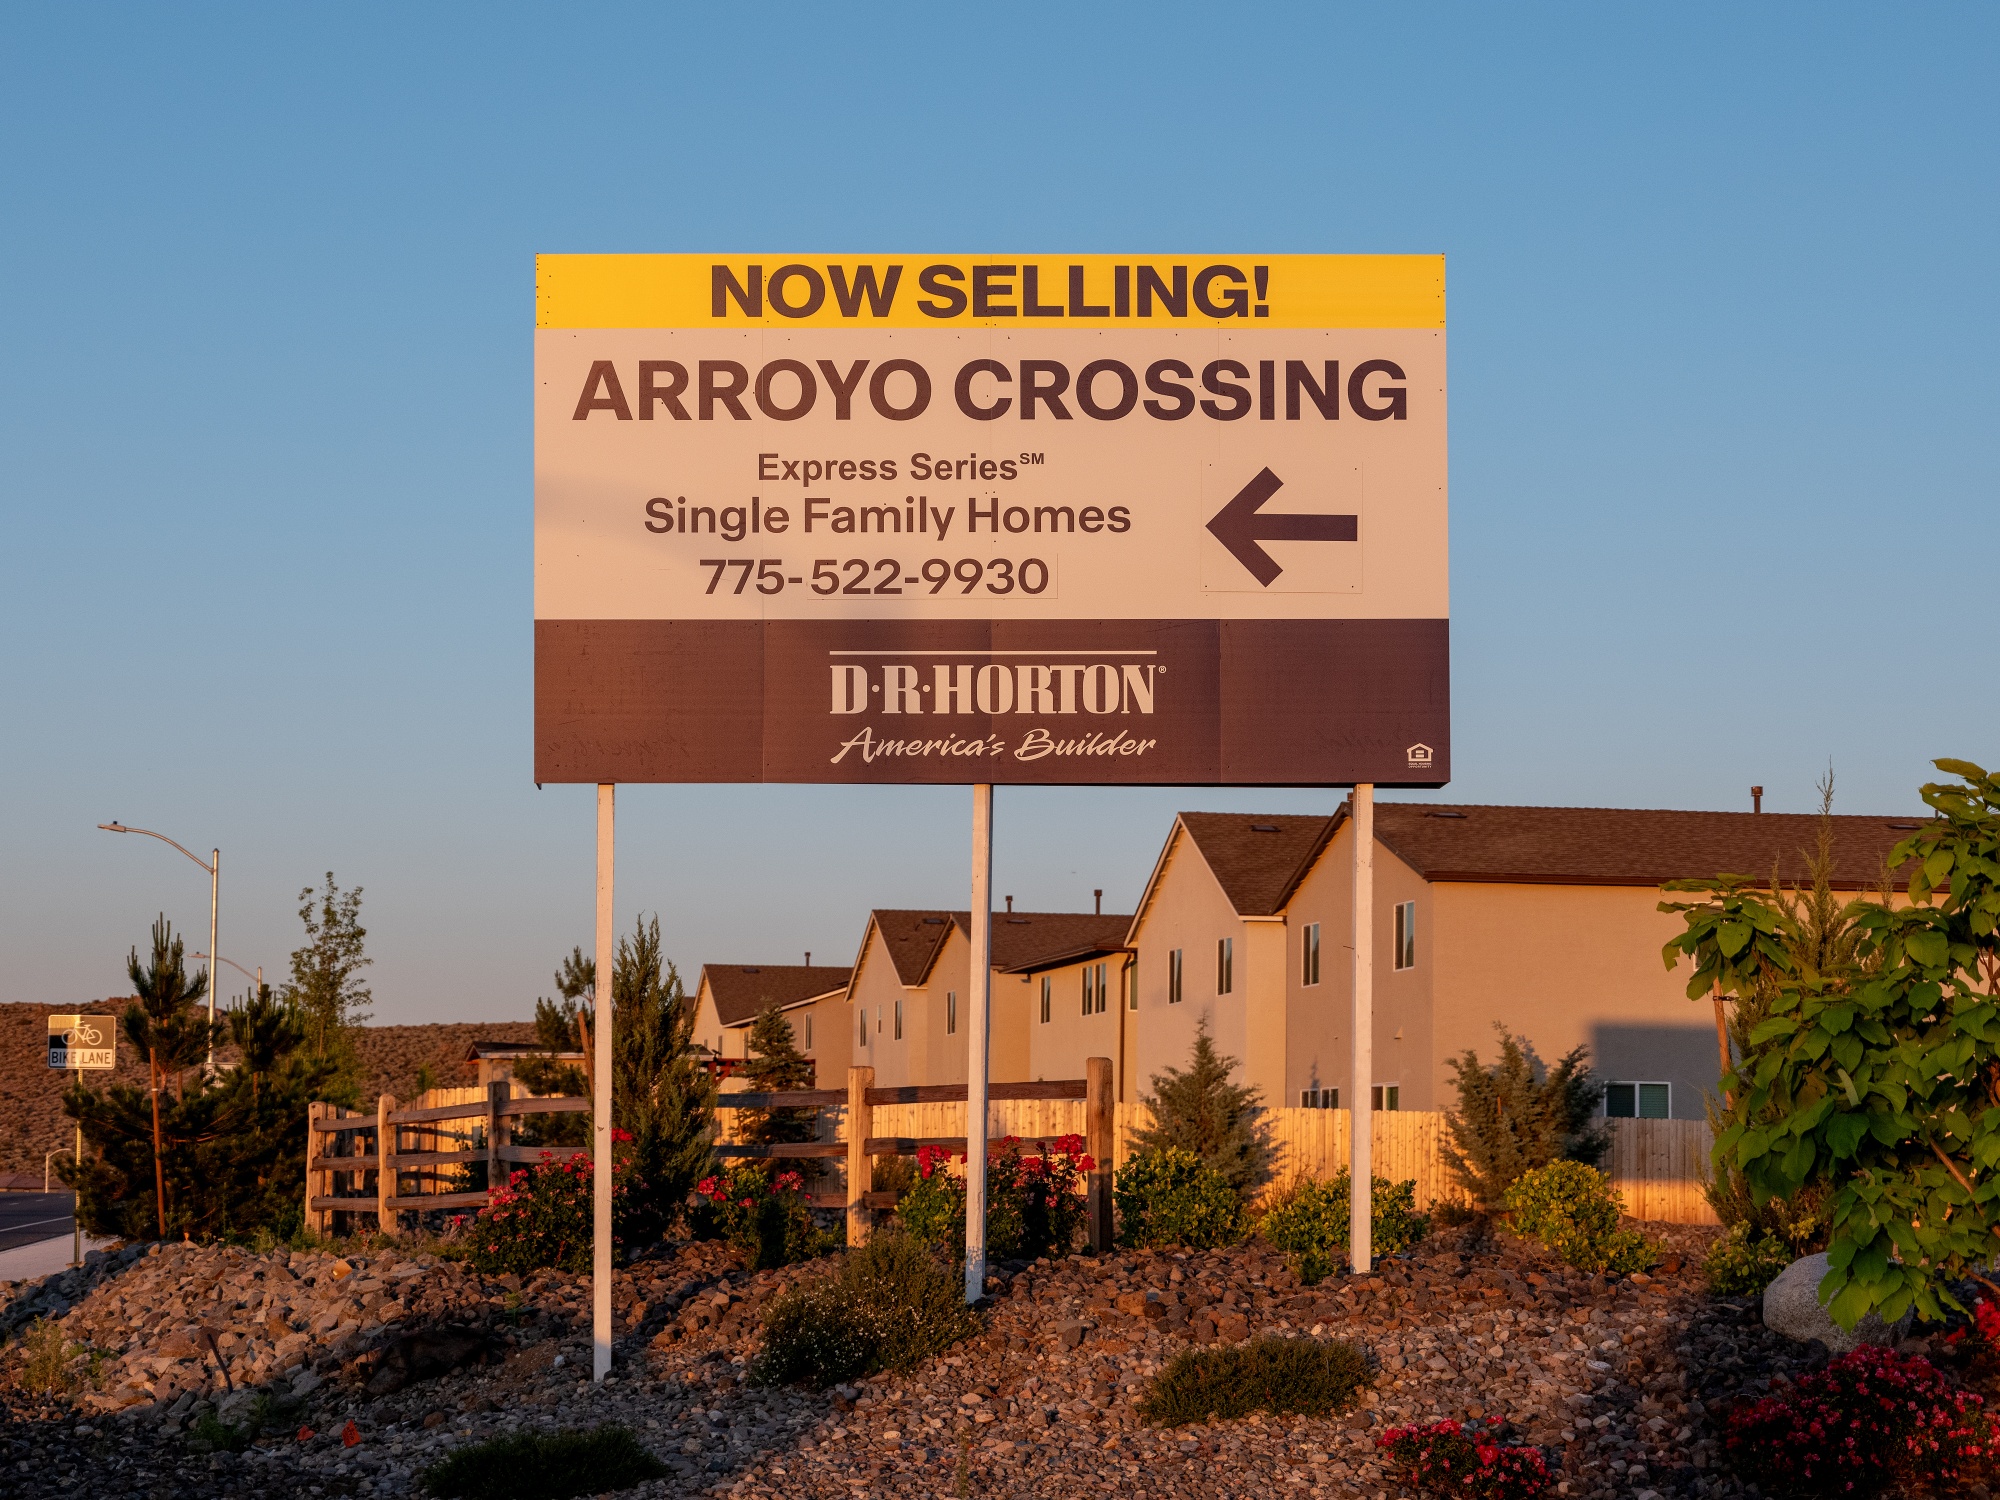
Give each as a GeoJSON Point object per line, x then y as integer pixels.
{"type": "Point", "coordinates": [28, 1217]}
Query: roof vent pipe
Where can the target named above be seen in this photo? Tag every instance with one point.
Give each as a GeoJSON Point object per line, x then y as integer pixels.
{"type": "Point", "coordinates": [809, 958]}
{"type": "Point", "coordinates": [1756, 799]}
{"type": "Point", "coordinates": [1010, 903]}
{"type": "Point", "coordinates": [1100, 901]}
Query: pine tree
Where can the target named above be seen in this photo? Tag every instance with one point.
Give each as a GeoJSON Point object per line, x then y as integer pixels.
{"type": "Point", "coordinates": [775, 1065]}
{"type": "Point", "coordinates": [1200, 1110]}
{"type": "Point", "coordinates": [216, 1156]}
{"type": "Point", "coordinates": [661, 1094]}
{"type": "Point", "coordinates": [563, 1025]}
{"type": "Point", "coordinates": [1516, 1116]}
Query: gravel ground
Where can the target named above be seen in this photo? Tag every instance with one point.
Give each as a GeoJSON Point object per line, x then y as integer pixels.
{"type": "Point", "coordinates": [1623, 1380]}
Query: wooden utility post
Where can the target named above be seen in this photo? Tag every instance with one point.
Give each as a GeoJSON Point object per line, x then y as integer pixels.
{"type": "Point", "coordinates": [1099, 1125]}
{"type": "Point", "coordinates": [860, 1125]}
{"type": "Point", "coordinates": [315, 1148]}
{"type": "Point", "coordinates": [385, 1164]}
{"type": "Point", "coordinates": [498, 1092]}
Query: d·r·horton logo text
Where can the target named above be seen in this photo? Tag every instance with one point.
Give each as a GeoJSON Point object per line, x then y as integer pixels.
{"type": "Point", "coordinates": [993, 689]}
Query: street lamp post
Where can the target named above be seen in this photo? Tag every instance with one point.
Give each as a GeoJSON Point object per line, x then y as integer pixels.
{"type": "Point", "coordinates": [257, 978]}
{"type": "Point", "coordinates": [212, 867]}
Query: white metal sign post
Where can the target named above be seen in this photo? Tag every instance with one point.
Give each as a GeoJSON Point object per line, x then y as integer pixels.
{"type": "Point", "coordinates": [1361, 1167]}
{"type": "Point", "coordinates": [601, 1021]}
{"type": "Point", "coordinates": [978, 1042]}
{"type": "Point", "coordinates": [77, 1042]}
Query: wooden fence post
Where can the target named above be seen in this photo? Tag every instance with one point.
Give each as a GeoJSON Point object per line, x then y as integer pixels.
{"type": "Point", "coordinates": [860, 1125]}
{"type": "Point", "coordinates": [315, 1112]}
{"type": "Point", "coordinates": [498, 1092]}
{"type": "Point", "coordinates": [385, 1164]}
{"type": "Point", "coordinates": [1099, 1119]}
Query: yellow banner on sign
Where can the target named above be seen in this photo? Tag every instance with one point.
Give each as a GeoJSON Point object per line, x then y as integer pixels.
{"type": "Point", "coordinates": [998, 291]}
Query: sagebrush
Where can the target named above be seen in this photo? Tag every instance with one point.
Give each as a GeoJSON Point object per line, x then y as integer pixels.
{"type": "Point", "coordinates": [1301, 1376]}
{"type": "Point", "coordinates": [545, 1466]}
{"type": "Point", "coordinates": [889, 1305]}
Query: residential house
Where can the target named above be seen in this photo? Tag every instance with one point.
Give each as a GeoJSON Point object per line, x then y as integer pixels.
{"type": "Point", "coordinates": [729, 997]}
{"type": "Point", "coordinates": [1543, 920]}
{"type": "Point", "coordinates": [908, 1003]}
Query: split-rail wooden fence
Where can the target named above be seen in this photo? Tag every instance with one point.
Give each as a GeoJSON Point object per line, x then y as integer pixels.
{"type": "Point", "coordinates": [1660, 1167]}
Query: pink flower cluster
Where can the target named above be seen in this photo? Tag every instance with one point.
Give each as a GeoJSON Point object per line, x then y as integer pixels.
{"type": "Point", "coordinates": [1469, 1459]}
{"type": "Point", "coordinates": [1871, 1420]}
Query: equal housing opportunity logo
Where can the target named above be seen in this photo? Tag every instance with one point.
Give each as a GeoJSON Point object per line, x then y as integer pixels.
{"type": "Point", "coordinates": [942, 685]}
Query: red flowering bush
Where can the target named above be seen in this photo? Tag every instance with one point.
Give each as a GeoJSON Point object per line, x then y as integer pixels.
{"type": "Point", "coordinates": [768, 1213]}
{"type": "Point", "coordinates": [541, 1216]}
{"type": "Point", "coordinates": [1871, 1421]}
{"type": "Point", "coordinates": [1034, 1203]}
{"type": "Point", "coordinates": [1976, 1348]}
{"type": "Point", "coordinates": [1472, 1459]}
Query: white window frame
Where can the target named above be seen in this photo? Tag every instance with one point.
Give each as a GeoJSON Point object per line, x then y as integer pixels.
{"type": "Point", "coordinates": [951, 1012]}
{"type": "Point", "coordinates": [1048, 991]}
{"type": "Point", "coordinates": [899, 1020]}
{"type": "Point", "coordinates": [864, 1025]}
{"type": "Point", "coordinates": [809, 1030]}
{"type": "Point", "coordinates": [1225, 966]}
{"type": "Point", "coordinates": [1309, 955]}
{"type": "Point", "coordinates": [1386, 1098]}
{"type": "Point", "coordinates": [1635, 1085]}
{"type": "Point", "coordinates": [1175, 967]}
{"type": "Point", "coordinates": [1323, 1098]}
{"type": "Point", "coordinates": [1132, 984]}
{"type": "Point", "coordinates": [1403, 943]}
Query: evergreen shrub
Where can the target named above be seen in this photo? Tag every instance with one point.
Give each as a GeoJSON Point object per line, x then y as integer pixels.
{"type": "Point", "coordinates": [1310, 1222]}
{"type": "Point", "coordinates": [768, 1214]}
{"type": "Point", "coordinates": [1744, 1262]}
{"type": "Point", "coordinates": [1571, 1209]}
{"type": "Point", "coordinates": [1170, 1196]}
{"type": "Point", "coordinates": [1517, 1116]}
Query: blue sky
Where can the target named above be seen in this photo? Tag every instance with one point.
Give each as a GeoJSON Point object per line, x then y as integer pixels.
{"type": "Point", "coordinates": [1721, 307]}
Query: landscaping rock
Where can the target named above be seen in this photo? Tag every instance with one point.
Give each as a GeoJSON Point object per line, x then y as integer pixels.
{"type": "Point", "coordinates": [1792, 1308]}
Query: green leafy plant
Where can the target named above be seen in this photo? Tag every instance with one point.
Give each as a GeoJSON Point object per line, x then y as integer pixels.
{"type": "Point", "coordinates": [1310, 1221]}
{"type": "Point", "coordinates": [1884, 1078]}
{"type": "Point", "coordinates": [1034, 1202]}
{"type": "Point", "coordinates": [1307, 1377]}
{"type": "Point", "coordinates": [889, 1305]}
{"type": "Point", "coordinates": [768, 1213]}
{"type": "Point", "coordinates": [1198, 1110]}
{"type": "Point", "coordinates": [1517, 1116]}
{"type": "Point", "coordinates": [545, 1466]}
{"type": "Point", "coordinates": [1170, 1196]}
{"type": "Point", "coordinates": [1571, 1209]}
{"type": "Point", "coordinates": [1743, 1262]}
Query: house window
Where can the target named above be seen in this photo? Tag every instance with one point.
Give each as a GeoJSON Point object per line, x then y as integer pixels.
{"type": "Point", "coordinates": [1310, 965]}
{"type": "Point", "coordinates": [1386, 1096]}
{"type": "Point", "coordinates": [899, 1020]}
{"type": "Point", "coordinates": [1103, 987]}
{"type": "Point", "coordinates": [1406, 934]}
{"type": "Point", "coordinates": [1225, 965]}
{"type": "Point", "coordinates": [951, 1012]}
{"type": "Point", "coordinates": [1131, 985]}
{"type": "Point", "coordinates": [809, 1031]}
{"type": "Point", "coordinates": [1096, 989]}
{"type": "Point", "coordinates": [1174, 977]}
{"type": "Point", "coordinates": [864, 1025]}
{"type": "Point", "coordinates": [1638, 1101]}
{"type": "Point", "coordinates": [1046, 986]}
{"type": "Point", "coordinates": [1086, 989]}
{"type": "Point", "coordinates": [1319, 1098]}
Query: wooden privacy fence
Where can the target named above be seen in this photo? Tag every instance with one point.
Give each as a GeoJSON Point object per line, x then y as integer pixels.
{"type": "Point", "coordinates": [920, 1115]}
{"type": "Point", "coordinates": [450, 1137]}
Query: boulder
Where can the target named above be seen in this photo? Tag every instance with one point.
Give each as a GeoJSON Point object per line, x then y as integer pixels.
{"type": "Point", "coordinates": [1792, 1307]}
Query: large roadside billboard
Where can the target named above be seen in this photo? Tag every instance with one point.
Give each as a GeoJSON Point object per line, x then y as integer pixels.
{"type": "Point", "coordinates": [1025, 519]}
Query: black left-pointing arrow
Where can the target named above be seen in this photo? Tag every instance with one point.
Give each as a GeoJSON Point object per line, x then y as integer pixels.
{"type": "Point", "coordinates": [1239, 526]}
